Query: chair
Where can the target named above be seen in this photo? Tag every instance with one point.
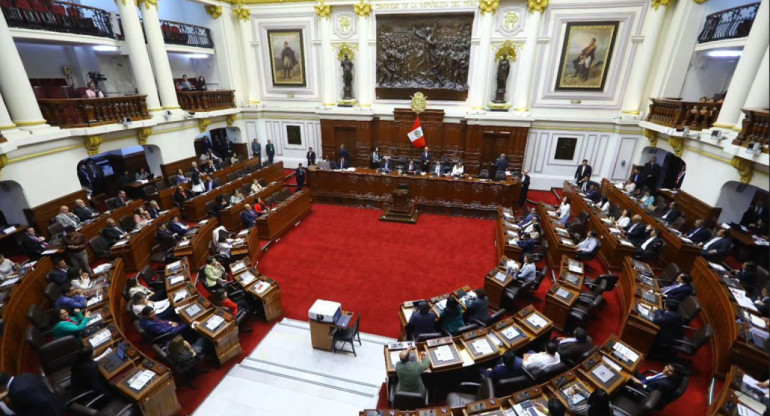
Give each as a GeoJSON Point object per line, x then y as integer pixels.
{"type": "Point", "coordinates": [500, 176]}
{"type": "Point", "coordinates": [492, 318]}
{"type": "Point", "coordinates": [583, 356]}
{"type": "Point", "coordinates": [612, 281]}
{"type": "Point", "coordinates": [426, 336]}
{"type": "Point", "coordinates": [678, 223]}
{"type": "Point", "coordinates": [669, 274]}
{"type": "Point", "coordinates": [468, 327]}
{"type": "Point", "coordinates": [150, 191]}
{"type": "Point", "coordinates": [484, 174]}
{"type": "Point", "coordinates": [470, 392]}
{"type": "Point", "coordinates": [172, 180]}
{"type": "Point", "coordinates": [347, 335]}
{"type": "Point", "coordinates": [690, 308]}
{"type": "Point", "coordinates": [55, 229]}
{"type": "Point", "coordinates": [652, 254]}
{"type": "Point", "coordinates": [52, 292]}
{"type": "Point", "coordinates": [506, 386]}
{"type": "Point", "coordinates": [111, 203]}
{"type": "Point", "coordinates": [588, 297]}
{"type": "Point", "coordinates": [405, 400]}
{"type": "Point", "coordinates": [127, 223]}
{"type": "Point", "coordinates": [542, 376]}
{"type": "Point", "coordinates": [183, 372]}
{"type": "Point", "coordinates": [101, 248]}
{"type": "Point", "coordinates": [211, 209]}
{"type": "Point", "coordinates": [34, 338]}
{"type": "Point", "coordinates": [636, 402]}
{"type": "Point", "coordinates": [42, 320]}
{"type": "Point", "coordinates": [690, 345]}
{"type": "Point", "coordinates": [580, 313]}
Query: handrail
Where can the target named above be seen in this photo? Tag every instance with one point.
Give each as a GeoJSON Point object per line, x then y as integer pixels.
{"type": "Point", "coordinates": [177, 33]}
{"type": "Point", "coordinates": [88, 112]}
{"type": "Point", "coordinates": [206, 100]}
{"type": "Point", "coordinates": [679, 114]}
{"type": "Point", "coordinates": [754, 129]}
{"type": "Point", "coordinates": [728, 24]}
{"type": "Point", "coordinates": [60, 16]}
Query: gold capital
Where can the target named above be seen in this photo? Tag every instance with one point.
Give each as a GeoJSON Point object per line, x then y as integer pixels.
{"type": "Point", "coordinates": [346, 50]}
{"type": "Point", "coordinates": [230, 120]}
{"type": "Point", "coordinates": [214, 11]}
{"type": "Point", "coordinates": [92, 144]}
{"type": "Point", "coordinates": [3, 162]}
{"type": "Point", "coordinates": [651, 136]}
{"type": "Point", "coordinates": [147, 3]}
{"type": "Point", "coordinates": [677, 143]}
{"type": "Point", "coordinates": [489, 6]}
{"type": "Point", "coordinates": [323, 10]}
{"type": "Point", "coordinates": [744, 167]}
{"type": "Point", "coordinates": [203, 124]}
{"type": "Point", "coordinates": [508, 49]}
{"type": "Point", "coordinates": [537, 5]}
{"type": "Point", "coordinates": [700, 1]}
{"type": "Point", "coordinates": [142, 135]}
{"type": "Point", "coordinates": [241, 13]}
{"type": "Point", "coordinates": [362, 9]}
{"type": "Point", "coordinates": [657, 3]}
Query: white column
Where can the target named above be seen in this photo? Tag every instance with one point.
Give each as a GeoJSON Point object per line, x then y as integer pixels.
{"type": "Point", "coordinates": [227, 44]}
{"type": "Point", "coordinates": [363, 64]}
{"type": "Point", "coordinates": [250, 59]}
{"type": "Point", "coordinates": [328, 68]}
{"type": "Point", "coordinates": [746, 70]}
{"type": "Point", "coordinates": [163, 75]}
{"type": "Point", "coordinates": [642, 62]}
{"type": "Point", "coordinates": [479, 85]}
{"type": "Point", "coordinates": [14, 87]}
{"type": "Point", "coordinates": [523, 88]}
{"type": "Point", "coordinates": [5, 118]}
{"type": "Point", "coordinates": [759, 94]}
{"type": "Point", "coordinates": [137, 53]}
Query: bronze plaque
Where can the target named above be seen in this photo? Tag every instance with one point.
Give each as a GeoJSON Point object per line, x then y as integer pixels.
{"type": "Point", "coordinates": [427, 53]}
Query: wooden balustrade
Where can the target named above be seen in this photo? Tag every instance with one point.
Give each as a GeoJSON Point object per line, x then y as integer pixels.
{"type": "Point", "coordinates": [206, 100]}
{"type": "Point", "coordinates": [754, 129]}
{"type": "Point", "coordinates": [679, 114]}
{"type": "Point", "coordinates": [89, 112]}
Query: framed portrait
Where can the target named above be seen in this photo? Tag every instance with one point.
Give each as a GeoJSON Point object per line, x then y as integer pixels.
{"type": "Point", "coordinates": [294, 135]}
{"type": "Point", "coordinates": [287, 57]}
{"type": "Point", "coordinates": [565, 148]}
{"type": "Point", "coordinates": [585, 56]}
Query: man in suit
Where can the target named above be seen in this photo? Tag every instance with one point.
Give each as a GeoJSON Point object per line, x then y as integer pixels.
{"type": "Point", "coordinates": [155, 327]}
{"type": "Point", "coordinates": [666, 382]}
{"type": "Point", "coordinates": [66, 218]}
{"type": "Point", "coordinates": [501, 163]}
{"type": "Point", "coordinates": [527, 243]}
{"type": "Point", "coordinates": [112, 232]}
{"type": "Point", "coordinates": [60, 273]}
{"type": "Point", "coordinates": [651, 173]}
{"type": "Point", "coordinates": [175, 226]}
{"type": "Point", "coordinates": [300, 173]}
{"type": "Point", "coordinates": [589, 244]}
{"type": "Point", "coordinates": [593, 193]}
{"type": "Point", "coordinates": [478, 307]}
{"type": "Point", "coordinates": [256, 148]}
{"type": "Point", "coordinates": [386, 166]}
{"type": "Point", "coordinates": [670, 322]}
{"type": "Point", "coordinates": [422, 321]}
{"type": "Point", "coordinates": [122, 200]}
{"type": "Point", "coordinates": [425, 157]}
{"type": "Point", "coordinates": [716, 249]}
{"type": "Point", "coordinates": [572, 348]}
{"type": "Point", "coordinates": [671, 214]}
{"type": "Point", "coordinates": [638, 177]}
{"type": "Point", "coordinates": [163, 231]}
{"type": "Point", "coordinates": [410, 372]}
{"type": "Point", "coordinates": [583, 174]}
{"type": "Point", "coordinates": [343, 163]}
{"type": "Point", "coordinates": [270, 150]}
{"type": "Point", "coordinates": [248, 216]}
{"type": "Point", "coordinates": [699, 234]}
{"type": "Point", "coordinates": [310, 156]}
{"type": "Point", "coordinates": [754, 213]}
{"type": "Point", "coordinates": [84, 212]}
{"type": "Point", "coordinates": [412, 168]}
{"type": "Point", "coordinates": [154, 209]}
{"type": "Point", "coordinates": [680, 177]}
{"type": "Point", "coordinates": [542, 361]}
{"type": "Point", "coordinates": [635, 233]}
{"type": "Point", "coordinates": [180, 196]}
{"type": "Point", "coordinates": [681, 289]}
{"type": "Point", "coordinates": [33, 245]}
{"type": "Point", "coordinates": [29, 395]}
{"type": "Point", "coordinates": [524, 188]}
{"type": "Point", "coordinates": [343, 154]}
{"type": "Point", "coordinates": [528, 218]}
{"type": "Point", "coordinates": [650, 248]}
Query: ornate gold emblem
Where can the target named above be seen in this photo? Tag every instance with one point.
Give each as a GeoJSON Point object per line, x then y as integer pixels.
{"type": "Point", "coordinates": [677, 143]}
{"type": "Point", "coordinates": [345, 49]}
{"type": "Point", "coordinates": [142, 135]}
{"type": "Point", "coordinates": [744, 167]}
{"type": "Point", "coordinates": [203, 124]}
{"type": "Point", "coordinates": [343, 24]}
{"type": "Point", "coordinates": [230, 120]}
{"type": "Point", "coordinates": [362, 9]}
{"type": "Point", "coordinates": [507, 48]}
{"type": "Point", "coordinates": [419, 102]}
{"type": "Point", "coordinates": [651, 136]}
{"type": "Point", "coordinates": [510, 19]}
{"type": "Point", "coordinates": [214, 11]}
{"type": "Point", "coordinates": [657, 3]}
{"type": "Point", "coordinates": [92, 144]}
{"type": "Point", "coordinates": [323, 10]}
{"type": "Point", "coordinates": [147, 3]}
{"type": "Point", "coordinates": [489, 6]}
{"type": "Point", "coordinates": [537, 5]}
{"type": "Point", "coordinates": [242, 13]}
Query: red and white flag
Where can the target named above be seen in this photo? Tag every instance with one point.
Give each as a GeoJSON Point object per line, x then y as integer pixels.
{"type": "Point", "coordinates": [415, 135]}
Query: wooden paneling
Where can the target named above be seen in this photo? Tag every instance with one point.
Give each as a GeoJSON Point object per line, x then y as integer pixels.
{"type": "Point", "coordinates": [693, 208]}
{"type": "Point", "coordinates": [170, 168]}
{"type": "Point", "coordinates": [40, 216]}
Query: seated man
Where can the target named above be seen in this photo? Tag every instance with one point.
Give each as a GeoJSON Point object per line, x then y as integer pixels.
{"type": "Point", "coordinates": [28, 395]}
{"type": "Point", "coordinates": [60, 273]}
{"type": "Point", "coordinates": [572, 348]}
{"type": "Point", "coordinates": [153, 209]}
{"type": "Point", "coordinates": [122, 199]}
{"type": "Point", "coordinates": [214, 274]}
{"type": "Point", "coordinates": [527, 272]}
{"type": "Point", "coordinates": [112, 232]}
{"type": "Point", "coordinates": [164, 231]}
{"type": "Point", "coordinates": [763, 302]}
{"type": "Point", "coordinates": [717, 248]}
{"type": "Point", "coordinates": [508, 366]}
{"type": "Point", "coordinates": [528, 218]}
{"type": "Point", "coordinates": [422, 321]}
{"type": "Point", "coordinates": [671, 213]}
{"type": "Point", "coordinates": [670, 323]}
{"type": "Point", "coordinates": [650, 248]}
{"type": "Point", "coordinates": [248, 216]}
{"type": "Point", "coordinates": [410, 372]}
{"type": "Point", "coordinates": [593, 193]}
{"type": "Point", "coordinates": [478, 307]}
{"type": "Point", "coordinates": [84, 212]}
{"type": "Point", "coordinates": [526, 242]}
{"type": "Point", "coordinates": [33, 245]}
{"type": "Point", "coordinates": [155, 327]}
{"type": "Point", "coordinates": [66, 218]}
{"type": "Point", "coordinates": [177, 227]}
{"type": "Point", "coordinates": [699, 233]}
{"type": "Point", "coordinates": [636, 233]}
{"type": "Point", "coordinates": [681, 289]}
{"type": "Point", "coordinates": [541, 361]}
{"type": "Point", "coordinates": [70, 299]}
{"type": "Point", "coordinates": [413, 168]}
{"type": "Point", "coordinates": [589, 244]}
{"type": "Point", "coordinates": [666, 382]}
{"type": "Point", "coordinates": [386, 165]}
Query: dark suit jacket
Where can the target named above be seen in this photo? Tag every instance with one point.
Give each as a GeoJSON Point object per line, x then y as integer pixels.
{"type": "Point", "coordinates": [701, 235]}
{"type": "Point", "coordinates": [746, 277]}
{"type": "Point", "coordinates": [524, 183]}
{"type": "Point", "coordinates": [722, 246]}
{"type": "Point", "coordinates": [157, 327]}
{"type": "Point", "coordinates": [386, 166]}
{"type": "Point", "coordinates": [30, 397]}
{"type": "Point", "coordinates": [299, 174]}
{"type": "Point", "coordinates": [343, 153]}
{"type": "Point", "coordinates": [310, 158]}
{"type": "Point", "coordinates": [665, 385]}
{"type": "Point", "coordinates": [580, 173]}
{"type": "Point", "coordinates": [636, 234]}
{"type": "Point", "coordinates": [751, 216]}
{"type": "Point", "coordinates": [59, 276]}
{"type": "Point", "coordinates": [651, 173]}
{"type": "Point", "coordinates": [32, 247]}
{"type": "Point", "coordinates": [421, 323]}
{"type": "Point", "coordinates": [120, 202]}
{"type": "Point", "coordinates": [112, 234]}
{"type": "Point", "coordinates": [593, 195]}
{"type": "Point", "coordinates": [249, 218]}
{"type": "Point", "coordinates": [344, 165]}
{"type": "Point", "coordinates": [154, 213]}
{"type": "Point", "coordinates": [527, 246]}
{"type": "Point", "coordinates": [501, 164]}
{"type": "Point", "coordinates": [573, 350]}
{"type": "Point", "coordinates": [270, 149]}
{"type": "Point", "coordinates": [179, 199]}
{"type": "Point", "coordinates": [176, 228]}
{"type": "Point", "coordinates": [670, 323]}
{"type": "Point", "coordinates": [679, 293]}
{"type": "Point", "coordinates": [477, 309]}
{"type": "Point", "coordinates": [425, 157]}
{"type": "Point", "coordinates": [671, 215]}
{"type": "Point", "coordinates": [85, 213]}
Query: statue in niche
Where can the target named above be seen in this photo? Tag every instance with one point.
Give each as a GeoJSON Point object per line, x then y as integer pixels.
{"type": "Point", "coordinates": [503, 68]}
{"type": "Point", "coordinates": [347, 78]}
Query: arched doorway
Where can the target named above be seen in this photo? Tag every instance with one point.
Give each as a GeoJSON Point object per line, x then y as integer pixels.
{"type": "Point", "coordinates": [224, 142]}
{"type": "Point", "coordinates": [670, 167]}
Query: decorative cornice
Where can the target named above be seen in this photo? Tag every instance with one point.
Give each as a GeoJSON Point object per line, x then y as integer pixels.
{"type": "Point", "coordinates": [242, 13]}
{"type": "Point", "coordinates": [323, 10]}
{"type": "Point", "coordinates": [203, 124]}
{"type": "Point", "coordinates": [657, 3]}
{"type": "Point", "coordinates": [744, 167]}
{"type": "Point", "coordinates": [677, 143]}
{"type": "Point", "coordinates": [537, 5]}
{"type": "Point", "coordinates": [489, 6]}
{"type": "Point", "coordinates": [230, 120]}
{"type": "Point", "coordinates": [3, 163]}
{"type": "Point", "coordinates": [92, 144]}
{"type": "Point", "coordinates": [147, 3]}
{"type": "Point", "coordinates": [652, 136]}
{"type": "Point", "coordinates": [362, 9]}
{"type": "Point", "coordinates": [143, 134]}
{"type": "Point", "coordinates": [214, 11]}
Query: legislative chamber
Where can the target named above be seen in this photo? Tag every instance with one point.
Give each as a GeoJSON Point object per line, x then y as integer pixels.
{"type": "Point", "coordinates": [384, 207]}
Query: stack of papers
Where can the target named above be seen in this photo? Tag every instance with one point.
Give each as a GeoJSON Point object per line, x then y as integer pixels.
{"type": "Point", "coordinates": [444, 353]}
{"type": "Point", "coordinates": [261, 287]}
{"type": "Point", "coordinates": [203, 222]}
{"type": "Point", "coordinates": [482, 346]}
{"type": "Point", "coordinates": [510, 332]}
{"type": "Point", "coordinates": [214, 322]}
{"type": "Point", "coordinates": [625, 353]}
{"type": "Point", "coordinates": [102, 268]}
{"type": "Point", "coordinates": [564, 294]}
{"type": "Point", "coordinates": [9, 282]}
{"type": "Point", "coordinates": [243, 232]}
{"type": "Point", "coordinates": [180, 295]}
{"type": "Point", "coordinates": [536, 320]}
{"type": "Point", "coordinates": [94, 319]}
{"type": "Point", "coordinates": [9, 230]}
{"type": "Point", "coordinates": [175, 279]}
{"type": "Point", "coordinates": [139, 380]}
{"type": "Point", "coordinates": [94, 300]}
{"type": "Point", "coordinates": [237, 267]}
{"type": "Point", "coordinates": [100, 338]}
{"type": "Point", "coordinates": [246, 278]}
{"type": "Point", "coordinates": [566, 242]}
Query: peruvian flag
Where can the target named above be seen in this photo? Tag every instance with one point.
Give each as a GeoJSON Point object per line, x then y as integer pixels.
{"type": "Point", "coordinates": [415, 135]}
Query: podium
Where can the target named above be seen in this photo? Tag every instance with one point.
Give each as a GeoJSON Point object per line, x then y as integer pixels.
{"type": "Point", "coordinates": [400, 207]}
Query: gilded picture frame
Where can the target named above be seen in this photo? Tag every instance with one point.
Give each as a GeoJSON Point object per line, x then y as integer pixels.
{"type": "Point", "coordinates": [287, 57]}
{"type": "Point", "coordinates": [586, 56]}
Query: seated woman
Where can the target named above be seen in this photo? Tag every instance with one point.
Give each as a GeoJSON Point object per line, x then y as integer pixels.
{"type": "Point", "coordinates": [180, 178]}
{"type": "Point", "coordinates": [604, 205]}
{"type": "Point", "coordinates": [224, 248]}
{"type": "Point", "coordinates": [82, 281]}
{"type": "Point", "coordinates": [162, 309]}
{"type": "Point", "coordinates": [457, 169]}
{"type": "Point", "coordinates": [647, 201]}
{"type": "Point", "coordinates": [629, 187]}
{"type": "Point", "coordinates": [451, 318]}
{"type": "Point", "coordinates": [535, 232]}
{"type": "Point", "coordinates": [260, 207]}
{"type": "Point", "coordinates": [182, 353]}
{"type": "Point", "coordinates": [134, 287]}
{"type": "Point", "coordinates": [7, 267]}
{"type": "Point", "coordinates": [219, 298]}
{"type": "Point", "coordinates": [201, 81]}
{"type": "Point", "coordinates": [255, 186]}
{"type": "Point", "coordinates": [141, 217]}
{"type": "Point", "coordinates": [236, 197]}
{"type": "Point", "coordinates": [70, 324]}
{"type": "Point", "coordinates": [623, 220]}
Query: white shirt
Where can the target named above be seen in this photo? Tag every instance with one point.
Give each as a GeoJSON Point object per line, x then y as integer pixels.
{"type": "Point", "coordinates": [605, 207]}
{"type": "Point", "coordinates": [623, 222]}
{"type": "Point", "coordinates": [646, 243]}
{"type": "Point", "coordinates": [224, 249]}
{"type": "Point", "coordinates": [564, 210]}
{"type": "Point", "coordinates": [540, 361]}
{"type": "Point", "coordinates": [81, 283]}
{"type": "Point", "coordinates": [589, 244]}
{"type": "Point", "coordinates": [713, 240]}
{"type": "Point", "coordinates": [456, 171]}
{"type": "Point", "coordinates": [6, 268]}
{"type": "Point", "coordinates": [629, 187]}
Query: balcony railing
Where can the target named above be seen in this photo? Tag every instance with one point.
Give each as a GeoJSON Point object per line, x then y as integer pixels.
{"type": "Point", "coordinates": [206, 100]}
{"type": "Point", "coordinates": [754, 129]}
{"type": "Point", "coordinates": [58, 16]}
{"type": "Point", "coordinates": [679, 114]}
{"type": "Point", "coordinates": [728, 24]}
{"type": "Point", "coordinates": [175, 33]}
{"type": "Point", "coordinates": [88, 112]}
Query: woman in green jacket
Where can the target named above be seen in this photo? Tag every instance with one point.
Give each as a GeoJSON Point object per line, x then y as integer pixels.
{"type": "Point", "coordinates": [70, 325]}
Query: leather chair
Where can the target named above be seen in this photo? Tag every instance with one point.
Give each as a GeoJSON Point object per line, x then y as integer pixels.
{"type": "Point", "coordinates": [542, 376]}
{"type": "Point", "coordinates": [404, 400]}
{"type": "Point", "coordinates": [635, 401]}
{"type": "Point", "coordinates": [507, 386]}
{"type": "Point", "coordinates": [100, 247]}
{"type": "Point", "coordinates": [678, 223]}
{"type": "Point", "coordinates": [588, 297]}
{"type": "Point", "coordinates": [690, 308]}
{"type": "Point", "coordinates": [470, 392]}
{"type": "Point", "coordinates": [492, 318]}
{"type": "Point", "coordinates": [162, 339]}
{"type": "Point", "coordinates": [183, 372]}
{"type": "Point", "coordinates": [669, 274]}
{"type": "Point", "coordinates": [52, 292]}
{"type": "Point", "coordinates": [347, 336]}
{"type": "Point", "coordinates": [216, 183]}
{"type": "Point", "coordinates": [500, 176]}
{"type": "Point", "coordinates": [690, 345]}
{"type": "Point", "coordinates": [42, 320]}
{"type": "Point", "coordinates": [484, 174]}
{"type": "Point", "coordinates": [580, 313]}
{"type": "Point", "coordinates": [426, 336]}
{"type": "Point", "coordinates": [211, 209]}
{"type": "Point", "coordinates": [111, 203]}
{"type": "Point", "coordinates": [55, 230]}
{"type": "Point", "coordinates": [34, 338]}
{"type": "Point", "coordinates": [150, 191]}
{"type": "Point", "coordinates": [583, 356]}
{"type": "Point", "coordinates": [612, 281]}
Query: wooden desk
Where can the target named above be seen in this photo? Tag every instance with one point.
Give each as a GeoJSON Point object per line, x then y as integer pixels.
{"type": "Point", "coordinates": [158, 396]}
{"type": "Point", "coordinates": [560, 385]}
{"type": "Point", "coordinates": [637, 331]}
{"type": "Point", "coordinates": [224, 336]}
{"type": "Point", "coordinates": [558, 302]}
{"type": "Point", "coordinates": [511, 334]}
{"type": "Point", "coordinates": [628, 357]}
{"type": "Point", "coordinates": [369, 188]}
{"type": "Point", "coordinates": [495, 283]}
{"type": "Point", "coordinates": [321, 332]}
{"type": "Point", "coordinates": [528, 316]}
{"type": "Point", "coordinates": [136, 251]}
{"type": "Point", "coordinates": [196, 248]}
{"type": "Point", "coordinates": [286, 215]}
{"type": "Point", "coordinates": [692, 208]}
{"type": "Point", "coordinates": [597, 363]}
{"type": "Point", "coordinates": [440, 346]}
{"type": "Point", "coordinates": [8, 240]}
{"type": "Point", "coordinates": [135, 189]}
{"type": "Point", "coordinates": [231, 217]}
{"type": "Point", "coordinates": [675, 250]}
{"type": "Point", "coordinates": [479, 345]}
{"type": "Point", "coordinates": [251, 247]}
{"type": "Point", "coordinates": [265, 290]}
{"type": "Point", "coordinates": [557, 247]}
{"type": "Point", "coordinates": [502, 235]}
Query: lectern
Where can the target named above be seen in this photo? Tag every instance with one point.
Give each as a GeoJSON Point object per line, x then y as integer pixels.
{"type": "Point", "coordinates": [400, 207]}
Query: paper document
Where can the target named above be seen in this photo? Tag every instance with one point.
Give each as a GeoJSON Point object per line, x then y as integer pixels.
{"type": "Point", "coordinates": [575, 266]}
{"type": "Point", "coordinates": [626, 243]}
{"type": "Point", "coordinates": [180, 295]}
{"type": "Point", "coordinates": [9, 230]}
{"type": "Point", "coordinates": [9, 282]}
{"type": "Point", "coordinates": [96, 317]}
{"type": "Point", "coordinates": [512, 241]}
{"type": "Point", "coordinates": [567, 242]}
{"type": "Point", "coordinates": [612, 364]}
{"type": "Point", "coordinates": [104, 354]}
{"type": "Point", "coordinates": [536, 320]}
{"type": "Point", "coordinates": [174, 265]}
{"type": "Point", "coordinates": [564, 294]}
{"type": "Point", "coordinates": [184, 243]}
{"type": "Point", "coordinates": [625, 353]}
{"type": "Point", "coordinates": [444, 353]}
{"type": "Point", "coordinates": [94, 300]}
{"type": "Point", "coordinates": [202, 222]}
{"type": "Point", "coordinates": [120, 243]}
{"type": "Point", "coordinates": [746, 411]}
{"type": "Point", "coordinates": [102, 268]}
{"type": "Point", "coordinates": [602, 373]}
{"type": "Point", "coordinates": [50, 251]}
{"type": "Point", "coordinates": [161, 305]}
{"type": "Point", "coordinates": [501, 277]}
{"type": "Point", "coordinates": [175, 279]}
{"type": "Point", "coordinates": [214, 322]}
{"type": "Point", "coordinates": [237, 267]}
{"type": "Point", "coordinates": [243, 232]}
{"type": "Point", "coordinates": [757, 321]}
{"type": "Point", "coordinates": [482, 346]}
{"type": "Point", "coordinates": [394, 357]}
{"type": "Point", "coordinates": [261, 287]}
{"type": "Point", "coordinates": [141, 379]}
{"type": "Point", "coordinates": [100, 338]}
{"type": "Point", "coordinates": [193, 310]}
{"type": "Point", "coordinates": [246, 278]}
{"type": "Point", "coordinates": [510, 332]}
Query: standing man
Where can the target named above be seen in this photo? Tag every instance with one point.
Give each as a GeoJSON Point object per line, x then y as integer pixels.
{"type": "Point", "coordinates": [425, 158]}
{"type": "Point", "coordinates": [75, 246]}
{"type": "Point", "coordinates": [501, 164]}
{"type": "Point", "coordinates": [583, 174]}
{"type": "Point", "coordinates": [524, 188]}
{"type": "Point", "coordinates": [343, 154]}
{"type": "Point", "coordinates": [651, 173]}
{"type": "Point", "coordinates": [310, 156]}
{"type": "Point", "coordinates": [270, 149]}
{"type": "Point", "coordinates": [256, 149]}
{"type": "Point", "coordinates": [680, 177]}
{"type": "Point", "coordinates": [299, 174]}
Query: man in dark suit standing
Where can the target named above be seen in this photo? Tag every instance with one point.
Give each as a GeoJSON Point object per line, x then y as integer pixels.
{"type": "Point", "coordinates": [270, 150]}
{"type": "Point", "coordinates": [666, 382]}
{"type": "Point", "coordinates": [672, 213]}
{"type": "Point", "coordinates": [651, 173]}
{"type": "Point", "coordinates": [29, 395]}
{"type": "Point", "coordinates": [33, 245]}
{"type": "Point", "coordinates": [524, 188]}
{"type": "Point", "coordinates": [635, 233]}
{"type": "Point", "coordinates": [343, 163]}
{"type": "Point", "coordinates": [300, 174]}
{"type": "Point", "coordinates": [755, 212]}
{"type": "Point", "coordinates": [572, 348]}
{"type": "Point", "coordinates": [343, 154]}
{"type": "Point", "coordinates": [680, 177]}
{"type": "Point", "coordinates": [256, 148]}
{"type": "Point", "coordinates": [681, 289]}
{"type": "Point", "coordinates": [310, 157]}
{"type": "Point", "coordinates": [425, 157]}
{"type": "Point", "coordinates": [583, 174]}
{"type": "Point", "coordinates": [670, 322]}
{"type": "Point", "coordinates": [716, 249]}
{"type": "Point", "coordinates": [180, 196]}
{"type": "Point", "coordinates": [501, 164]}
{"type": "Point", "coordinates": [699, 234]}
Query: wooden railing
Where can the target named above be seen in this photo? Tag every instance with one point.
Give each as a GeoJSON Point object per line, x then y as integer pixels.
{"type": "Point", "coordinates": [59, 16]}
{"type": "Point", "coordinates": [206, 100]}
{"type": "Point", "coordinates": [679, 114]}
{"type": "Point", "coordinates": [87, 112]}
{"type": "Point", "coordinates": [728, 24]}
{"type": "Point", "coordinates": [754, 129]}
